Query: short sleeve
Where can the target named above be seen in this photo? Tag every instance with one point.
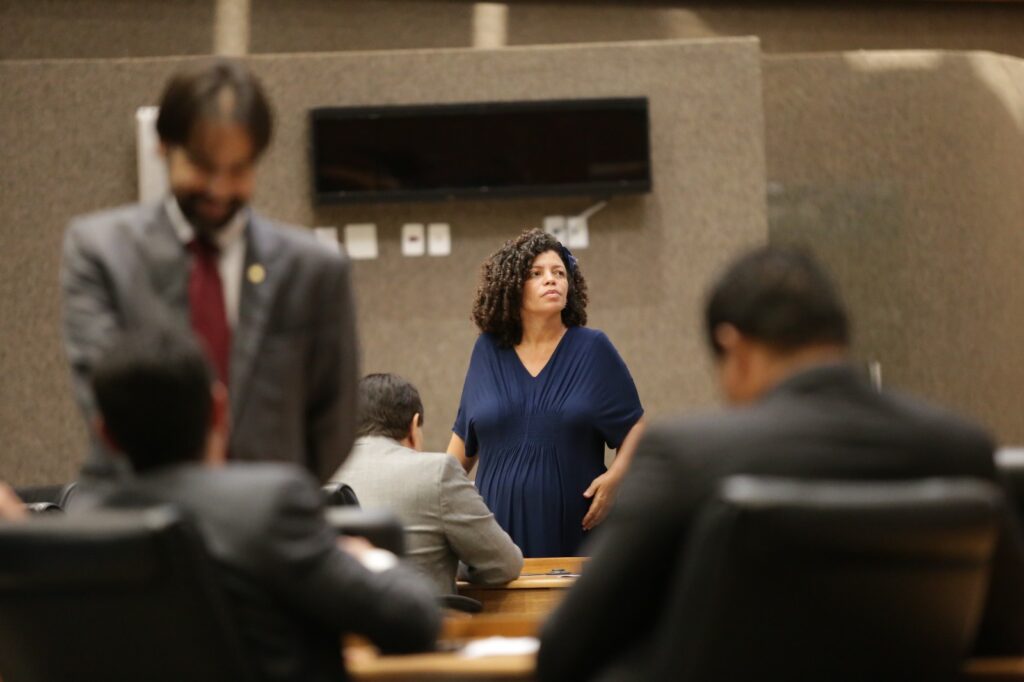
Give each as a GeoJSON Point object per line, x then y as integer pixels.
{"type": "Point", "coordinates": [615, 396]}
{"type": "Point", "coordinates": [464, 419]}
{"type": "Point", "coordinates": [463, 428]}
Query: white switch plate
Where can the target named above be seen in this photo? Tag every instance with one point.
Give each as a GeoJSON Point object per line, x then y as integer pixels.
{"type": "Point", "coordinates": [555, 226]}
{"type": "Point", "coordinates": [414, 240]}
{"type": "Point", "coordinates": [328, 236]}
{"type": "Point", "coordinates": [361, 241]}
{"type": "Point", "coordinates": [579, 233]}
{"type": "Point", "coordinates": [439, 239]}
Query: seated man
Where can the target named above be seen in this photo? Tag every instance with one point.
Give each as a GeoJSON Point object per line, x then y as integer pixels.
{"type": "Point", "coordinates": [779, 336]}
{"type": "Point", "coordinates": [445, 519]}
{"type": "Point", "coordinates": [292, 588]}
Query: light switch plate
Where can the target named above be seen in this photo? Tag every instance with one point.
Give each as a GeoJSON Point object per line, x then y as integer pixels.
{"type": "Point", "coordinates": [361, 241]}
{"type": "Point", "coordinates": [414, 240]}
{"type": "Point", "coordinates": [328, 236]}
{"type": "Point", "coordinates": [579, 233]}
{"type": "Point", "coordinates": [439, 239]}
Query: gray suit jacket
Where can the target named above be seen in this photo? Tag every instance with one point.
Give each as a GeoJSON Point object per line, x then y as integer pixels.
{"type": "Point", "coordinates": [290, 588]}
{"type": "Point", "coordinates": [293, 358]}
{"type": "Point", "coordinates": [823, 423]}
{"type": "Point", "coordinates": [445, 519]}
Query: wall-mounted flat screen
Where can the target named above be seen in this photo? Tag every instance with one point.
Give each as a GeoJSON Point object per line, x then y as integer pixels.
{"type": "Point", "coordinates": [541, 148]}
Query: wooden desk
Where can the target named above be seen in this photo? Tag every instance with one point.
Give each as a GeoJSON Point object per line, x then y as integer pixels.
{"type": "Point", "coordinates": [451, 666]}
{"type": "Point", "coordinates": [537, 590]}
{"type": "Point", "coordinates": [366, 666]}
{"type": "Point", "coordinates": [464, 627]}
{"type": "Point", "coordinates": [994, 670]}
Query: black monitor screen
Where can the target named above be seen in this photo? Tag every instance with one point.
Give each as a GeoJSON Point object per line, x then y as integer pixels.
{"type": "Point", "coordinates": [495, 149]}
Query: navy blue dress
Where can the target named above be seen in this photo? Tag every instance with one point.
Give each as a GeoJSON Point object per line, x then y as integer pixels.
{"type": "Point", "coordinates": [541, 439]}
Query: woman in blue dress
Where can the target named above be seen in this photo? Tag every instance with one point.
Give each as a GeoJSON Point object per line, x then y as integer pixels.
{"type": "Point", "coordinates": [542, 397]}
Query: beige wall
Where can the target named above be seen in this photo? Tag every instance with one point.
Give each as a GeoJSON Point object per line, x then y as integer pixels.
{"type": "Point", "coordinates": [64, 29]}
{"type": "Point", "coordinates": [904, 171]}
{"type": "Point", "coordinates": [35, 29]}
{"type": "Point", "coordinates": [68, 134]}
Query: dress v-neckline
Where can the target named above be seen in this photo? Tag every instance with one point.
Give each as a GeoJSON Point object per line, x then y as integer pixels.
{"type": "Point", "coordinates": [547, 364]}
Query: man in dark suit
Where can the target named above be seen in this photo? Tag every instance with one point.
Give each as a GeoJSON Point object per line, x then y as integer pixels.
{"type": "Point", "coordinates": [272, 306]}
{"type": "Point", "coordinates": [779, 335]}
{"type": "Point", "coordinates": [292, 588]}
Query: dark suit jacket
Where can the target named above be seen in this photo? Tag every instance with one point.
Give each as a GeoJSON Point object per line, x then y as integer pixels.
{"type": "Point", "coordinates": [824, 423]}
{"type": "Point", "coordinates": [293, 592]}
{"type": "Point", "coordinates": [293, 359]}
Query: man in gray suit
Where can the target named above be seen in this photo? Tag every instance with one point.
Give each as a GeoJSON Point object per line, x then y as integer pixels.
{"type": "Point", "coordinates": [272, 307]}
{"type": "Point", "coordinates": [445, 519]}
{"type": "Point", "coordinates": [292, 587]}
{"type": "Point", "coordinates": [779, 335]}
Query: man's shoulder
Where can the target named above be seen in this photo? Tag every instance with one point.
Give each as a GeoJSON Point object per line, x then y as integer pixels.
{"type": "Point", "coordinates": [299, 242]}
{"type": "Point", "coordinates": [98, 226]}
{"type": "Point", "coordinates": [936, 422]}
{"type": "Point", "coordinates": [260, 476]}
{"type": "Point", "coordinates": [386, 455]}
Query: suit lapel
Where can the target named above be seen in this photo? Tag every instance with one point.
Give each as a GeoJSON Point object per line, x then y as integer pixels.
{"type": "Point", "coordinates": [164, 259]}
{"type": "Point", "coordinates": [261, 277]}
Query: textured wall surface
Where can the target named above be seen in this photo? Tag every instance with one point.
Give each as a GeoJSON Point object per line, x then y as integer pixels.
{"type": "Point", "coordinates": [34, 29]}
{"type": "Point", "coordinates": [904, 171]}
{"type": "Point", "coordinates": [62, 29]}
{"type": "Point", "coordinates": [332, 26]}
{"type": "Point", "coordinates": [67, 130]}
{"type": "Point", "coordinates": [782, 26]}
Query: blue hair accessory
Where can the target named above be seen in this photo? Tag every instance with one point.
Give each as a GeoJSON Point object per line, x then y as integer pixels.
{"type": "Point", "coordinates": [570, 260]}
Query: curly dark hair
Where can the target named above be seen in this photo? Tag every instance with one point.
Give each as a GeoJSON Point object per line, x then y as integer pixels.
{"type": "Point", "coordinates": [499, 298]}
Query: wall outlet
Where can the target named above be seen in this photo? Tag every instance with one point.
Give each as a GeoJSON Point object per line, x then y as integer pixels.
{"type": "Point", "coordinates": [579, 232]}
{"type": "Point", "coordinates": [555, 225]}
{"type": "Point", "coordinates": [414, 239]}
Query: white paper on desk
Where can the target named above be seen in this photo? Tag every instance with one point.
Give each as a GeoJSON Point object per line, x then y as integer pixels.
{"type": "Point", "coordinates": [501, 646]}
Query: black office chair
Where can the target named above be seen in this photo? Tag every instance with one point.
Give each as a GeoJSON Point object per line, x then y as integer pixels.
{"type": "Point", "coordinates": [830, 581]}
{"type": "Point", "coordinates": [1010, 462]}
{"type": "Point", "coordinates": [339, 495]}
{"type": "Point", "coordinates": [46, 498]}
{"type": "Point", "coordinates": [127, 595]}
{"type": "Point", "coordinates": [382, 528]}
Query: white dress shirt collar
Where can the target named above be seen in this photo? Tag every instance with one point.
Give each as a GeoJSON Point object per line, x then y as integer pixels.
{"type": "Point", "coordinates": [231, 260]}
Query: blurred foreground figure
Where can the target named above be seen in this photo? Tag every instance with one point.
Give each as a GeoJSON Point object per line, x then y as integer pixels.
{"type": "Point", "coordinates": [292, 588]}
{"type": "Point", "coordinates": [272, 307]}
{"type": "Point", "coordinates": [779, 334]}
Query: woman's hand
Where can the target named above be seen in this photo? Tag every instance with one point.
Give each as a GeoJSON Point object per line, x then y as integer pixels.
{"type": "Point", "coordinates": [601, 493]}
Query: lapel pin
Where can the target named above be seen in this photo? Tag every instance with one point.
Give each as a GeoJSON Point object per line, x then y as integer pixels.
{"type": "Point", "coordinates": [256, 273]}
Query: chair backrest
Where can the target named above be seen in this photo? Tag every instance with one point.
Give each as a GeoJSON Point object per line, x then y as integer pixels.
{"type": "Point", "coordinates": [339, 495]}
{"type": "Point", "coordinates": [1010, 462]}
{"type": "Point", "coordinates": [805, 580]}
{"type": "Point", "coordinates": [380, 527]}
{"type": "Point", "coordinates": [46, 498]}
{"type": "Point", "coordinates": [126, 595]}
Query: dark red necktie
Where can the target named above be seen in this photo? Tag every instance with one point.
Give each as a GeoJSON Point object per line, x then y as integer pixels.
{"type": "Point", "coordinates": [207, 311]}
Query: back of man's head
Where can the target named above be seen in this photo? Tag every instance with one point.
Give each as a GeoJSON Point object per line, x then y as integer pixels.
{"type": "Point", "coordinates": [387, 404]}
{"type": "Point", "coordinates": [153, 391]}
{"type": "Point", "coordinates": [779, 297]}
{"type": "Point", "coordinates": [223, 90]}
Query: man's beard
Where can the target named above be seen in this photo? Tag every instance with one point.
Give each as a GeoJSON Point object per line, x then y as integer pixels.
{"type": "Point", "coordinates": [189, 205]}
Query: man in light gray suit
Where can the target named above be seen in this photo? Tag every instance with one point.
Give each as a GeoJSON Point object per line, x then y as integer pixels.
{"type": "Point", "coordinates": [445, 519]}
{"type": "Point", "coordinates": [272, 307]}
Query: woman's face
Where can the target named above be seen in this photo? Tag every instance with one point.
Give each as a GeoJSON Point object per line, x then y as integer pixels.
{"type": "Point", "coordinates": [547, 285]}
